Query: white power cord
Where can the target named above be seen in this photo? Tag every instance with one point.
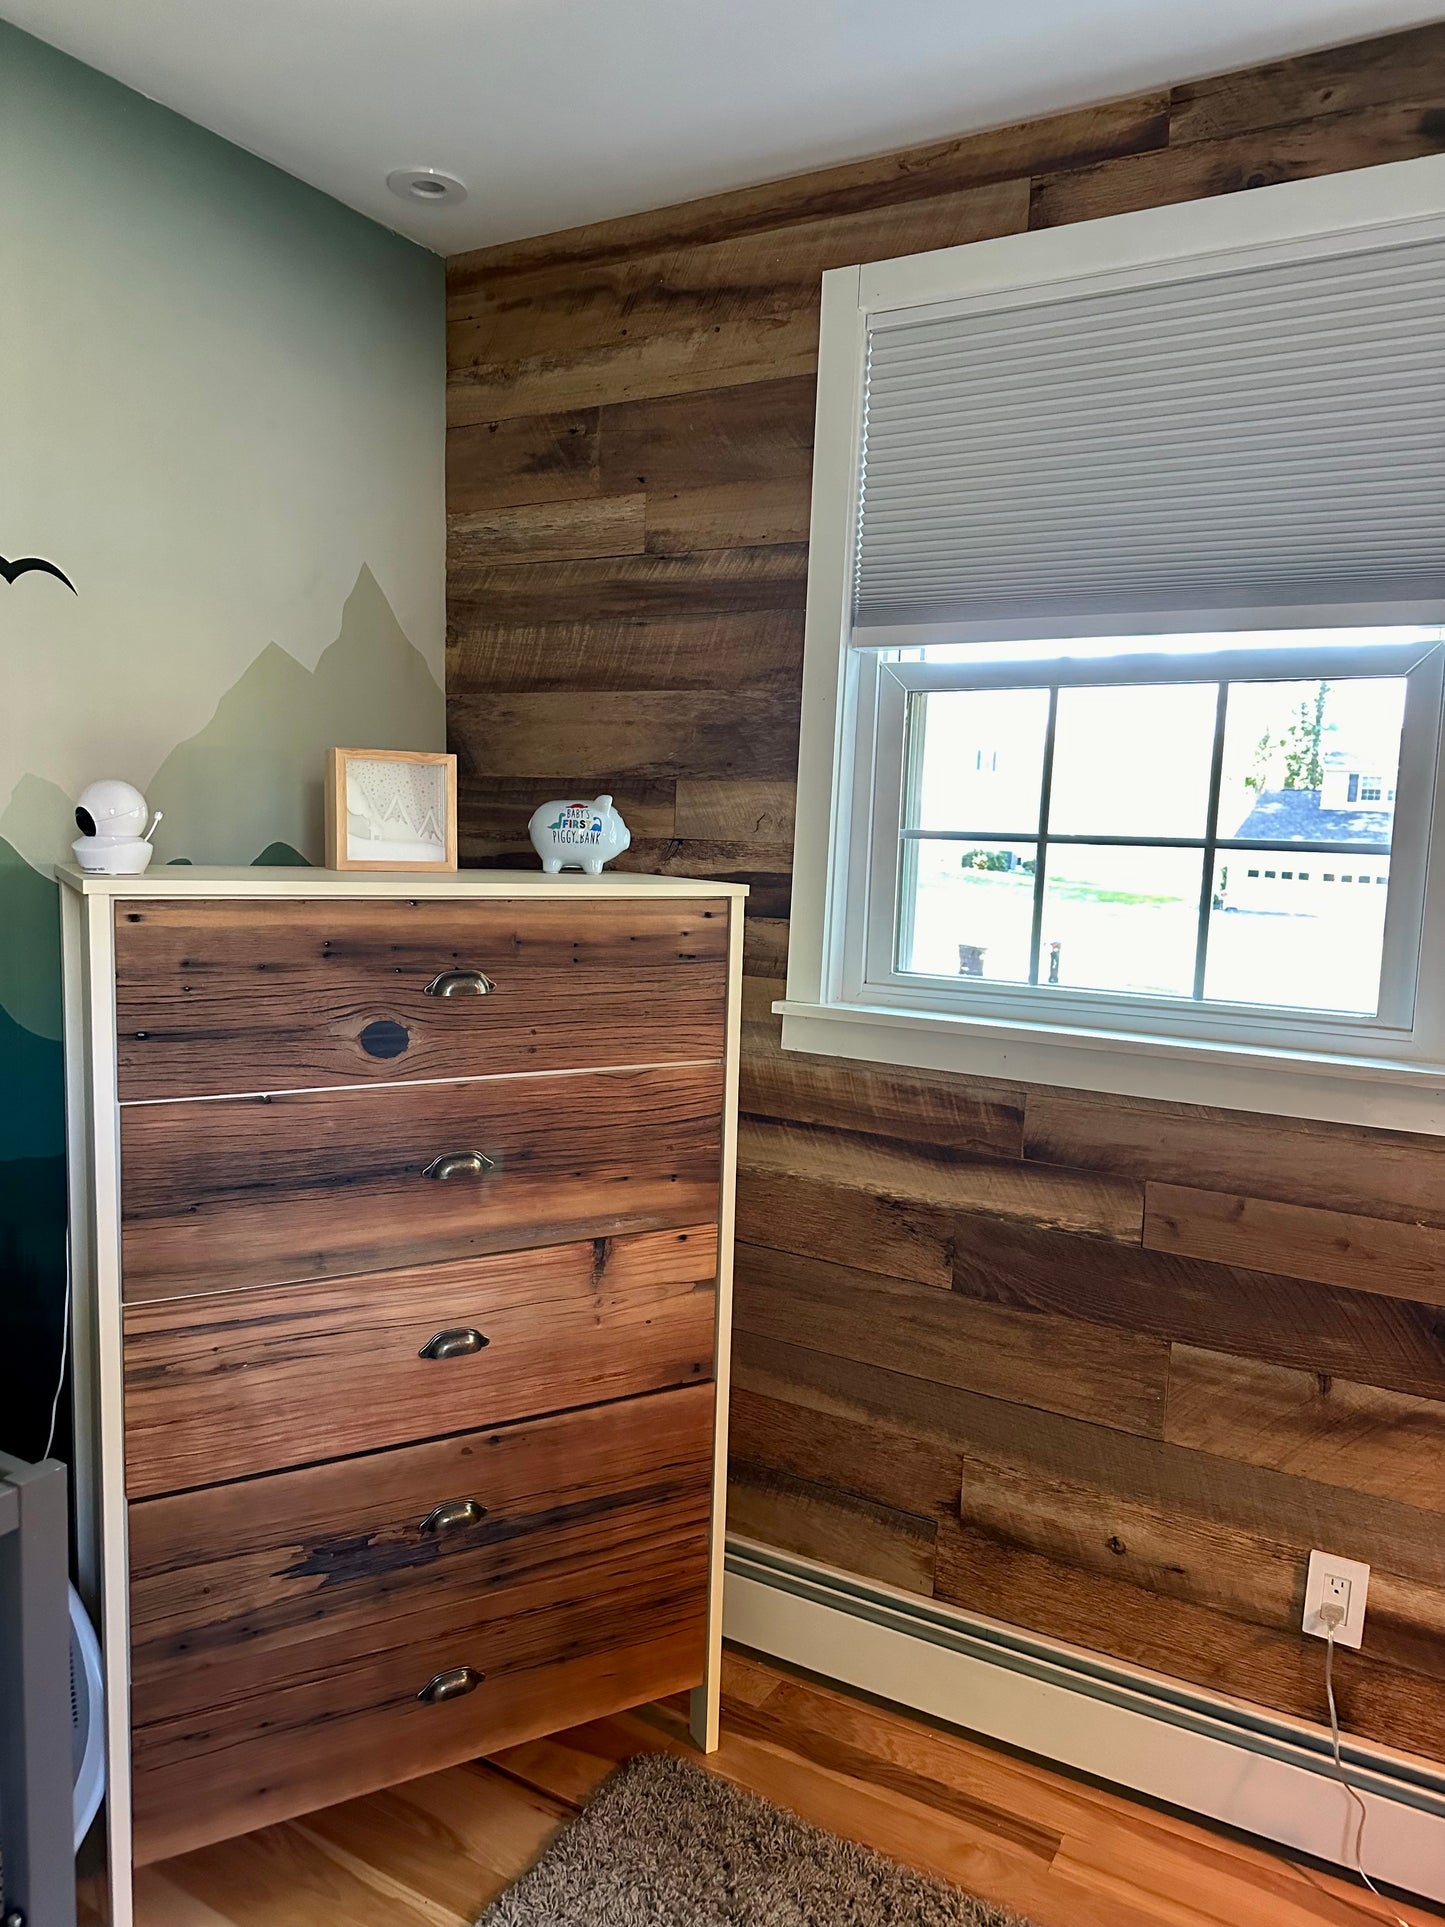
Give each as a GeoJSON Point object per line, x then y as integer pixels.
{"type": "Point", "coordinates": [60, 1375]}
{"type": "Point", "coordinates": [1330, 1617]}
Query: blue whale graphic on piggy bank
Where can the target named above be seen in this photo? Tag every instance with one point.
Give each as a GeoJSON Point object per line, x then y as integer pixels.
{"type": "Point", "coordinates": [578, 836]}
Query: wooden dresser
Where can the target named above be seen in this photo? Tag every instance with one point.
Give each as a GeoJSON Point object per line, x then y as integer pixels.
{"type": "Point", "coordinates": [401, 1234]}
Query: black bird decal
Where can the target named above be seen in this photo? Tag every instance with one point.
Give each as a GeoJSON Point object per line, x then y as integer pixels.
{"type": "Point", "coordinates": [23, 564]}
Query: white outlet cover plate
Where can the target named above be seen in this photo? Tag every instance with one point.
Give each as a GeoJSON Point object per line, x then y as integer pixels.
{"type": "Point", "coordinates": [1325, 1566]}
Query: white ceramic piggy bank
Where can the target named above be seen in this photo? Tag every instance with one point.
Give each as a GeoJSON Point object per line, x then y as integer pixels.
{"type": "Point", "coordinates": [578, 836]}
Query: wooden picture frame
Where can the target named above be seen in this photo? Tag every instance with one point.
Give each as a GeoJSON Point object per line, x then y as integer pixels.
{"type": "Point", "coordinates": [400, 853]}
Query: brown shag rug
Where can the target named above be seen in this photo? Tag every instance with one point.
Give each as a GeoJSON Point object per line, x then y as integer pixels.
{"type": "Point", "coordinates": [665, 1844]}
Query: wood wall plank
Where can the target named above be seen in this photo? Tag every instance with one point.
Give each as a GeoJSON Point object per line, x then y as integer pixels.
{"type": "Point", "coordinates": [761, 648]}
{"type": "Point", "coordinates": [1381, 1174]}
{"type": "Point", "coordinates": [965, 1117]}
{"type": "Point", "coordinates": [1311, 1423]}
{"type": "Point", "coordinates": [1331, 1247]}
{"type": "Point", "coordinates": [1054, 1364]}
{"type": "Point", "coordinates": [820, 1521]}
{"type": "Point", "coordinates": [663, 364]}
{"type": "Point", "coordinates": [1367, 73]}
{"type": "Point", "coordinates": [547, 531]}
{"type": "Point", "coordinates": [731, 287]}
{"type": "Point", "coordinates": [998, 1578]}
{"type": "Point", "coordinates": [1232, 1543]}
{"type": "Point", "coordinates": [1074, 139]}
{"type": "Point", "coordinates": [1254, 1314]}
{"type": "Point", "coordinates": [1038, 1194]}
{"type": "Point", "coordinates": [759, 809]}
{"type": "Point", "coordinates": [1396, 130]}
{"type": "Point", "coordinates": [770, 1426]}
{"type": "Point", "coordinates": [604, 735]}
{"type": "Point", "coordinates": [765, 947]}
{"type": "Point", "coordinates": [756, 434]}
{"type": "Point", "coordinates": [528, 458]}
{"type": "Point", "coordinates": [732, 515]}
{"type": "Point", "coordinates": [726, 580]}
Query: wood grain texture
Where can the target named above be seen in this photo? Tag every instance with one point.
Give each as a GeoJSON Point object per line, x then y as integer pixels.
{"type": "Point", "coordinates": [1394, 130]}
{"type": "Point", "coordinates": [1387, 1342]}
{"type": "Point", "coordinates": [939, 1185]}
{"type": "Point", "coordinates": [1055, 1364]}
{"type": "Point", "coordinates": [674, 350]}
{"type": "Point", "coordinates": [347, 1734]}
{"type": "Point", "coordinates": [1072, 1854]}
{"type": "Point", "coordinates": [763, 649]}
{"type": "Point", "coordinates": [631, 734]}
{"type": "Point", "coordinates": [1380, 1174]}
{"type": "Point", "coordinates": [1066, 140]}
{"type": "Point", "coordinates": [234, 996]}
{"type": "Point", "coordinates": [548, 531]}
{"type": "Point", "coordinates": [1332, 1247]}
{"type": "Point", "coordinates": [1007, 1581]}
{"type": "Point", "coordinates": [299, 1575]}
{"type": "Point", "coordinates": [963, 1117]}
{"type": "Point", "coordinates": [341, 1175]}
{"type": "Point", "coordinates": [1367, 73]}
{"type": "Point", "coordinates": [756, 281]}
{"type": "Point", "coordinates": [1311, 1423]}
{"type": "Point", "coordinates": [821, 1522]}
{"type": "Point", "coordinates": [540, 458]}
{"type": "Point", "coordinates": [254, 1381]}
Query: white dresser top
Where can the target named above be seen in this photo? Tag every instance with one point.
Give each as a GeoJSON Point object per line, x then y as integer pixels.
{"type": "Point", "coordinates": [296, 880]}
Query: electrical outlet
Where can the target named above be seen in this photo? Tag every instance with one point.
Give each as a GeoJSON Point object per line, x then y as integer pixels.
{"type": "Point", "coordinates": [1333, 1581]}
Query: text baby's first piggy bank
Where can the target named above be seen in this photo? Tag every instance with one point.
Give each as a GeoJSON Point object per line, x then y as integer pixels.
{"type": "Point", "coordinates": [578, 836]}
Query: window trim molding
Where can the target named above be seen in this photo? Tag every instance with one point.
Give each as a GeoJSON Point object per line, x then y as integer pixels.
{"type": "Point", "coordinates": [831, 859]}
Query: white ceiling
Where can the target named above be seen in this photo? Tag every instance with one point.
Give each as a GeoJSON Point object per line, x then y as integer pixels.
{"type": "Point", "coordinates": [559, 112]}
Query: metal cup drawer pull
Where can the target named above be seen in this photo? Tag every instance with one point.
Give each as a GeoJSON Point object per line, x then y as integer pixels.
{"type": "Point", "coordinates": [460, 983]}
{"type": "Point", "coordinates": [458, 1164]}
{"type": "Point", "coordinates": [460, 1341]}
{"type": "Point", "coordinates": [451, 1515]}
{"type": "Point", "coordinates": [454, 1685]}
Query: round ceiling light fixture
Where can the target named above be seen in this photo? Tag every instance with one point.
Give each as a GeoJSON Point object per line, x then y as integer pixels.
{"type": "Point", "coordinates": [428, 185]}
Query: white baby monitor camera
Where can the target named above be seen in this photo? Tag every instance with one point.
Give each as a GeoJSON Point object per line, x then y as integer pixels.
{"type": "Point", "coordinates": [113, 840]}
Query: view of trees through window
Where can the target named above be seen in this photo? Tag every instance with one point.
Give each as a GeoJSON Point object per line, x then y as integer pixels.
{"type": "Point", "coordinates": [1225, 841]}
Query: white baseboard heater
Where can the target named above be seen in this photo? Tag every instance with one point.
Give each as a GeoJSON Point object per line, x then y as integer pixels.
{"type": "Point", "coordinates": [1224, 1759]}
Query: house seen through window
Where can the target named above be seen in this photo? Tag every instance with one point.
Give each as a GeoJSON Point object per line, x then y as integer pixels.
{"type": "Point", "coordinates": [1115, 836]}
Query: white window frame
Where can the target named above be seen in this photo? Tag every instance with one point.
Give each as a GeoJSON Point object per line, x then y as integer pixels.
{"type": "Point", "coordinates": [1387, 1071]}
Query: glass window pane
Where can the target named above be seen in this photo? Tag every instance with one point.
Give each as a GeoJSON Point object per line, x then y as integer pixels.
{"type": "Point", "coordinates": [978, 759]}
{"type": "Point", "coordinates": [1121, 918]}
{"type": "Point", "coordinates": [1312, 762]}
{"type": "Point", "coordinates": [967, 909]}
{"type": "Point", "coordinates": [1133, 761]}
{"type": "Point", "coordinates": [1304, 931]}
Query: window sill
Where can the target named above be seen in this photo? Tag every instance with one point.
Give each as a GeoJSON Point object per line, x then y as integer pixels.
{"type": "Point", "coordinates": [1383, 1094]}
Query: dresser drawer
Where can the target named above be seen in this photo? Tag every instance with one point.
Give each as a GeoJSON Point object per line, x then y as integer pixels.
{"type": "Point", "coordinates": [257, 1380]}
{"type": "Point", "coordinates": [312, 1745]}
{"type": "Point", "coordinates": [237, 1587]}
{"type": "Point", "coordinates": [234, 1192]}
{"type": "Point", "coordinates": [221, 996]}
{"type": "Point", "coordinates": [283, 1628]}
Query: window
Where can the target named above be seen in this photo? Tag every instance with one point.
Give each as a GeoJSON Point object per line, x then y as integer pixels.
{"type": "Point", "coordinates": [1076, 824]}
{"type": "Point", "coordinates": [1125, 575]}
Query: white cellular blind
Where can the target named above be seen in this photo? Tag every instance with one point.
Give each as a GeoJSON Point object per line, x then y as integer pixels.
{"type": "Point", "coordinates": [1261, 438]}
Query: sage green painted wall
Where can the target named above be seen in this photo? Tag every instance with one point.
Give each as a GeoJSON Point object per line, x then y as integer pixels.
{"type": "Point", "coordinates": [222, 416]}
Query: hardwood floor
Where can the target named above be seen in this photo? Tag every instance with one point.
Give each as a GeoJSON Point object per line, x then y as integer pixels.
{"type": "Point", "coordinates": [1066, 1853]}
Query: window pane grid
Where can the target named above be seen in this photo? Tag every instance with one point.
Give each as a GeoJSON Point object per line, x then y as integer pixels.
{"type": "Point", "coordinates": [1044, 839]}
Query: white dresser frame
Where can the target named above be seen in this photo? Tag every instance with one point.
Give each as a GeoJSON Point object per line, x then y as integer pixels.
{"type": "Point", "coordinates": [93, 1153]}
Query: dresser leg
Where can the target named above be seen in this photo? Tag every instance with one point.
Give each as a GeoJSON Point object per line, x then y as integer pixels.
{"type": "Point", "coordinates": [703, 1712]}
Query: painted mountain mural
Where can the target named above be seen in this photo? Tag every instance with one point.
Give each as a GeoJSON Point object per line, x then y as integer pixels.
{"type": "Point", "coordinates": [247, 788]}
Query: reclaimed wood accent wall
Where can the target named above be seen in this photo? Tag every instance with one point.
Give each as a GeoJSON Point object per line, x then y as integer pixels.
{"type": "Point", "coordinates": [1103, 1368]}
